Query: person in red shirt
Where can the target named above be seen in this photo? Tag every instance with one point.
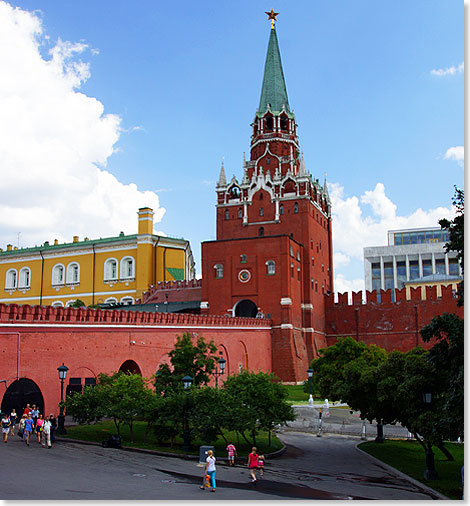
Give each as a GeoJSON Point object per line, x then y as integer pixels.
{"type": "Point", "coordinates": [253, 463]}
{"type": "Point", "coordinates": [231, 451]}
{"type": "Point", "coordinates": [27, 410]}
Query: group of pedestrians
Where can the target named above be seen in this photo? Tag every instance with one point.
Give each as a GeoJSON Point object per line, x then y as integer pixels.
{"type": "Point", "coordinates": [31, 424]}
{"type": "Point", "coordinates": [255, 463]}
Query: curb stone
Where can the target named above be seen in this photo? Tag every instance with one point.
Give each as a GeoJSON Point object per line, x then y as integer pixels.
{"type": "Point", "coordinates": [183, 456]}
{"type": "Point", "coordinates": [417, 483]}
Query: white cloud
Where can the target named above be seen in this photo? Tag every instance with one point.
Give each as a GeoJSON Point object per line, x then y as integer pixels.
{"type": "Point", "coordinates": [55, 142]}
{"type": "Point", "coordinates": [352, 231]}
{"type": "Point", "coordinates": [455, 153]}
{"type": "Point", "coordinates": [450, 71]}
{"type": "Point", "coordinates": [342, 284]}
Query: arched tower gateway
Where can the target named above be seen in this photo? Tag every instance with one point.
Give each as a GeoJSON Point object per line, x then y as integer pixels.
{"type": "Point", "coordinates": [274, 247]}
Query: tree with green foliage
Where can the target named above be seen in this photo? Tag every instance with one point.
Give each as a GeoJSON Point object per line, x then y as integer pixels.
{"type": "Point", "coordinates": [457, 235]}
{"type": "Point", "coordinates": [120, 396]}
{"type": "Point", "coordinates": [78, 303]}
{"type": "Point", "coordinates": [255, 401]}
{"type": "Point", "coordinates": [446, 359]}
{"type": "Point", "coordinates": [196, 359]}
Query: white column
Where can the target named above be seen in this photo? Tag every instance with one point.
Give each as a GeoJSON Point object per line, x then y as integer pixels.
{"type": "Point", "coordinates": [407, 261]}
{"type": "Point", "coordinates": [382, 273]}
{"type": "Point", "coordinates": [276, 217]}
{"type": "Point", "coordinates": [420, 265]}
{"type": "Point", "coordinates": [395, 280]}
{"type": "Point", "coordinates": [245, 213]}
{"type": "Point", "coordinates": [446, 260]}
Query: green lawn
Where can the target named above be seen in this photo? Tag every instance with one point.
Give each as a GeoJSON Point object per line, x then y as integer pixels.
{"type": "Point", "coordinates": [408, 457]}
{"type": "Point", "coordinates": [99, 431]}
{"type": "Point", "coordinates": [297, 394]}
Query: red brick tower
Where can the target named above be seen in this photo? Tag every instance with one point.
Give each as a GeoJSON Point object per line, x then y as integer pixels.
{"type": "Point", "coordinates": [273, 253]}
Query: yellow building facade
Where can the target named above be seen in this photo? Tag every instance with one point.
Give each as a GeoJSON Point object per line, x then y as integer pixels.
{"type": "Point", "coordinates": [437, 280]}
{"type": "Point", "coordinates": [96, 271]}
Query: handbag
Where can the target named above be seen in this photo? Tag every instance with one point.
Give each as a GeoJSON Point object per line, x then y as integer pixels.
{"type": "Point", "coordinates": [207, 481]}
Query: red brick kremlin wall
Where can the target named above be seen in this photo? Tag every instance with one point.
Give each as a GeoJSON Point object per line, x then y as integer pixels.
{"type": "Point", "coordinates": [390, 325]}
{"type": "Point", "coordinates": [36, 340]}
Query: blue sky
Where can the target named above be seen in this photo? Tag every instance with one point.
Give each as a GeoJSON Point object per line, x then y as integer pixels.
{"type": "Point", "coordinates": [377, 89]}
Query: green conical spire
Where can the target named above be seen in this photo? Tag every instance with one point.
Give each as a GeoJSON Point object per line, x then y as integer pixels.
{"type": "Point", "coordinates": [274, 90]}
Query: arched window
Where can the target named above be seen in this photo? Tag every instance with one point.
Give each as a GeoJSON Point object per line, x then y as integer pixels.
{"type": "Point", "coordinates": [10, 281]}
{"type": "Point", "coordinates": [261, 231]}
{"type": "Point", "coordinates": [24, 278]}
{"type": "Point", "coordinates": [219, 271]}
{"type": "Point", "coordinates": [127, 268]}
{"type": "Point", "coordinates": [127, 300]}
{"type": "Point", "coordinates": [111, 300]}
{"type": "Point", "coordinates": [296, 208]}
{"type": "Point", "coordinates": [271, 267]}
{"type": "Point", "coordinates": [298, 256]}
{"type": "Point", "coordinates": [58, 277]}
{"type": "Point", "coordinates": [281, 209]}
{"type": "Point", "coordinates": [73, 273]}
{"type": "Point", "coordinates": [261, 211]}
{"type": "Point", "coordinates": [283, 123]}
{"type": "Point", "coordinates": [69, 302]}
{"type": "Point", "coordinates": [110, 269]}
{"type": "Point", "coordinates": [58, 303]}
{"type": "Point", "coordinates": [240, 212]}
{"type": "Point", "coordinates": [291, 251]}
{"type": "Point", "coordinates": [226, 214]}
{"type": "Point", "coordinates": [269, 123]}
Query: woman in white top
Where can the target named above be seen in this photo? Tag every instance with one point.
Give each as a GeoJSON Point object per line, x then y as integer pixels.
{"type": "Point", "coordinates": [210, 468]}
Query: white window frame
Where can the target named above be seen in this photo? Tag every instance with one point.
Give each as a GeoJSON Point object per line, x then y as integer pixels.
{"type": "Point", "coordinates": [57, 303]}
{"type": "Point", "coordinates": [25, 272]}
{"type": "Point", "coordinates": [70, 302]}
{"type": "Point", "coordinates": [219, 271]}
{"type": "Point", "coordinates": [116, 276]}
{"type": "Point", "coordinates": [11, 279]}
{"type": "Point", "coordinates": [127, 299]}
{"type": "Point", "coordinates": [270, 267]}
{"type": "Point", "coordinates": [111, 299]}
{"type": "Point", "coordinates": [123, 268]}
{"type": "Point", "coordinates": [70, 272]}
{"type": "Point", "coordinates": [55, 280]}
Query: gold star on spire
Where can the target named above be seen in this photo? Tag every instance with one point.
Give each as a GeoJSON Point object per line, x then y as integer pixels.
{"type": "Point", "coordinates": [272, 16]}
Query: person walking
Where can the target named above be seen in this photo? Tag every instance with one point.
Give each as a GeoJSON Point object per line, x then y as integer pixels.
{"type": "Point", "coordinates": [21, 426]}
{"type": "Point", "coordinates": [39, 423]}
{"type": "Point", "coordinates": [5, 427]}
{"type": "Point", "coordinates": [27, 410]}
{"type": "Point", "coordinates": [53, 421]}
{"type": "Point", "coordinates": [210, 469]}
{"type": "Point", "coordinates": [253, 463]}
{"type": "Point", "coordinates": [261, 461]}
{"type": "Point", "coordinates": [46, 433]}
{"type": "Point", "coordinates": [13, 420]}
{"type": "Point", "coordinates": [34, 413]}
{"type": "Point", "coordinates": [28, 428]}
{"type": "Point", "coordinates": [231, 452]}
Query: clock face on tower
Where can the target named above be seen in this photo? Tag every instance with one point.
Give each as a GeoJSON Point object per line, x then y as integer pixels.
{"type": "Point", "coordinates": [244, 276]}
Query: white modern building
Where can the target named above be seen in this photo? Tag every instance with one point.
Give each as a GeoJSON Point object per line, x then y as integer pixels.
{"type": "Point", "coordinates": [411, 255]}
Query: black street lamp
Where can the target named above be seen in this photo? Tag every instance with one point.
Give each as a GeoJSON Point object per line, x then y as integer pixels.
{"type": "Point", "coordinates": [219, 371]}
{"type": "Point", "coordinates": [187, 382]}
{"type": "Point", "coordinates": [61, 418]}
{"type": "Point", "coordinates": [430, 472]}
{"type": "Point", "coordinates": [310, 380]}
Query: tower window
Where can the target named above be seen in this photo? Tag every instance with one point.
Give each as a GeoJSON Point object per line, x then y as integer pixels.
{"type": "Point", "coordinates": [261, 211]}
{"type": "Point", "coordinates": [268, 160]}
{"type": "Point", "coordinates": [240, 212]}
{"type": "Point", "coordinates": [291, 251]}
{"type": "Point", "coordinates": [269, 123]}
{"type": "Point", "coordinates": [298, 256]}
{"type": "Point", "coordinates": [283, 123]}
{"type": "Point", "coordinates": [219, 271]}
{"type": "Point", "coordinates": [271, 267]}
{"type": "Point", "coordinates": [243, 259]}
{"type": "Point", "coordinates": [261, 231]}
{"type": "Point", "coordinates": [296, 208]}
{"type": "Point", "coordinates": [226, 214]}
{"type": "Point", "coordinates": [281, 209]}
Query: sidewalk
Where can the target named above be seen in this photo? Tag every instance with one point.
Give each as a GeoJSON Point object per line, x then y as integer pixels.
{"type": "Point", "coordinates": [339, 420]}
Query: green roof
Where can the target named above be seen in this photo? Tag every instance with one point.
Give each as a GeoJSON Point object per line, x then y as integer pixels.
{"type": "Point", "coordinates": [274, 90]}
{"type": "Point", "coordinates": [47, 247]}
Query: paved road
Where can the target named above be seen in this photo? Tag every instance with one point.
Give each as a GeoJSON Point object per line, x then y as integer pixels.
{"type": "Point", "coordinates": [312, 468]}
